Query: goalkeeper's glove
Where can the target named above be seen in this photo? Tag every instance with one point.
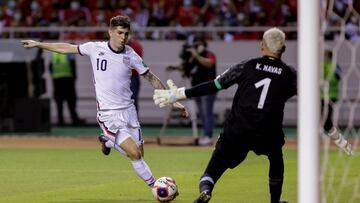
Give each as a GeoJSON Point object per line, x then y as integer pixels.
{"type": "Point", "coordinates": [166, 97]}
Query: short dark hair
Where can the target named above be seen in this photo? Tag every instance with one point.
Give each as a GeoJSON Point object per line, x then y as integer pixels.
{"type": "Point", "coordinates": [120, 20]}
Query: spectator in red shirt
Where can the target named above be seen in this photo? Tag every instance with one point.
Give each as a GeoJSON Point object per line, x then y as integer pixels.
{"type": "Point", "coordinates": [187, 14]}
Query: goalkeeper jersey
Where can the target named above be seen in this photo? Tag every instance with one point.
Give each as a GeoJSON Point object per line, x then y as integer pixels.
{"type": "Point", "coordinates": [111, 73]}
{"type": "Point", "coordinates": [264, 85]}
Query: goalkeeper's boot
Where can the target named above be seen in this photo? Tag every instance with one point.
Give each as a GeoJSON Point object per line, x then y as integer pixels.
{"type": "Point", "coordinates": [103, 139]}
{"type": "Point", "coordinates": [204, 197]}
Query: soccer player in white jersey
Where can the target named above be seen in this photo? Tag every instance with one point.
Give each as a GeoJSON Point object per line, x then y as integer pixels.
{"type": "Point", "coordinates": [112, 62]}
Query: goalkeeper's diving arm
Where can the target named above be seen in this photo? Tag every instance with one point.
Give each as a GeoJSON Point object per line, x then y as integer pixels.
{"type": "Point", "coordinates": [163, 98]}
{"type": "Point", "coordinates": [203, 89]}
{"type": "Point", "coordinates": [157, 84]}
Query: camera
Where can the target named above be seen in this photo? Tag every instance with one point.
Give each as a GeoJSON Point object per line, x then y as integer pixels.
{"type": "Point", "coordinates": [185, 54]}
{"type": "Point", "coordinates": [188, 64]}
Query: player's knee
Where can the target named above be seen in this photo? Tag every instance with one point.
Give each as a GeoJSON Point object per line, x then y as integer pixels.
{"type": "Point", "coordinates": [135, 154]}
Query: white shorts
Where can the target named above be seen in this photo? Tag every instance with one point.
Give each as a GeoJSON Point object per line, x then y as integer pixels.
{"type": "Point", "coordinates": [120, 124]}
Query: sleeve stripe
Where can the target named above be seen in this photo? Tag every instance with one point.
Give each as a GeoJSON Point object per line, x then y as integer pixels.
{"type": "Point", "coordinates": [145, 72]}
{"type": "Point", "coordinates": [78, 48]}
{"type": "Point", "coordinates": [217, 84]}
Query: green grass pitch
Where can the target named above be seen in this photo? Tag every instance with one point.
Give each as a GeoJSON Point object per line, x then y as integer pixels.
{"type": "Point", "coordinates": [86, 176]}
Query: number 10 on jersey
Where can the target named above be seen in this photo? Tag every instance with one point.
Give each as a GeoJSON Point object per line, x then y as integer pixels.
{"type": "Point", "coordinates": [101, 64]}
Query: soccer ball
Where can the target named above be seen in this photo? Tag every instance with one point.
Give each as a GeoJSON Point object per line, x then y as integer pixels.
{"type": "Point", "coordinates": [165, 189]}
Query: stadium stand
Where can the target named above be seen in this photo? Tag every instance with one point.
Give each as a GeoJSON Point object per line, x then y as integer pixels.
{"type": "Point", "coordinates": [157, 13]}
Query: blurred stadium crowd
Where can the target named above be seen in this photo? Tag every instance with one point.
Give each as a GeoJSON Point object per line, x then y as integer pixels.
{"type": "Point", "coordinates": [159, 13]}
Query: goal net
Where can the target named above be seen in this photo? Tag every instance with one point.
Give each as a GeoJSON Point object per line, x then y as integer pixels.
{"type": "Point", "coordinates": [340, 99]}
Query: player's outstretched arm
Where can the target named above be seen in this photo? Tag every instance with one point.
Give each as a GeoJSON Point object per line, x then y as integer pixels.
{"type": "Point", "coordinates": [154, 80]}
{"type": "Point", "coordinates": [59, 47]}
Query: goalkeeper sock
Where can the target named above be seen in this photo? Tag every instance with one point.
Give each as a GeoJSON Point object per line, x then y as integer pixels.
{"type": "Point", "coordinates": [143, 171]}
{"type": "Point", "coordinates": [275, 186]}
{"type": "Point", "coordinates": [206, 183]}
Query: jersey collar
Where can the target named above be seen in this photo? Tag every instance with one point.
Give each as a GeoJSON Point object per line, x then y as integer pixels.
{"type": "Point", "coordinates": [116, 52]}
{"type": "Point", "coordinates": [271, 57]}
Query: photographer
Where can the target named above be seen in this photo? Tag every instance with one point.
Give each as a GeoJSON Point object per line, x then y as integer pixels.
{"type": "Point", "coordinates": [199, 64]}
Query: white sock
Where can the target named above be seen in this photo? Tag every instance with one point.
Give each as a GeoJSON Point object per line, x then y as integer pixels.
{"type": "Point", "coordinates": [143, 171]}
{"type": "Point", "coordinates": [109, 144]}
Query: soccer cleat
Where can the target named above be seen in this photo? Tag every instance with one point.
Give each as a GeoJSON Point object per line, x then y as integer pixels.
{"type": "Point", "coordinates": [105, 150]}
{"type": "Point", "coordinates": [283, 201]}
{"type": "Point", "coordinates": [204, 197]}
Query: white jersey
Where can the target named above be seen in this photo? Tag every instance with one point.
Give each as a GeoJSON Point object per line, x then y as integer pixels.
{"type": "Point", "coordinates": [112, 72]}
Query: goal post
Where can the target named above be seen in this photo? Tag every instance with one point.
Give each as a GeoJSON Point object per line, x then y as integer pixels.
{"type": "Point", "coordinates": [308, 98]}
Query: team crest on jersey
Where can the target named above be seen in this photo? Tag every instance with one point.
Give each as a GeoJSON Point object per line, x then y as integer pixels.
{"type": "Point", "coordinates": [126, 60]}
